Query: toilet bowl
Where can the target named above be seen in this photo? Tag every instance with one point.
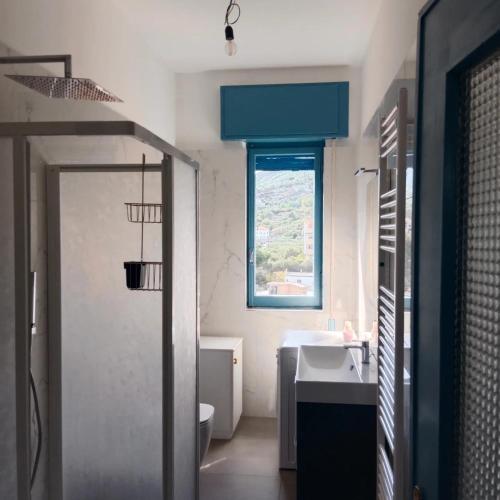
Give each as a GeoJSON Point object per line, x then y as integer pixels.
{"type": "Point", "coordinates": [206, 427]}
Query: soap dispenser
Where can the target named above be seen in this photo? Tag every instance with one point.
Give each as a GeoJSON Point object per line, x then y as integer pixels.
{"type": "Point", "coordinates": [348, 332]}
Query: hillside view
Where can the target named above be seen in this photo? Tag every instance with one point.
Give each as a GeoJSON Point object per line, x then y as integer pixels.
{"type": "Point", "coordinates": [284, 207]}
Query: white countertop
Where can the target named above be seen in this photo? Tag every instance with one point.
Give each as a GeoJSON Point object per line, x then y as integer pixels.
{"type": "Point", "coordinates": [220, 343]}
{"type": "Point", "coordinates": [296, 338]}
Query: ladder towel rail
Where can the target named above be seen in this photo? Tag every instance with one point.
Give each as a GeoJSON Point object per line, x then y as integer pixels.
{"type": "Point", "coordinates": [392, 206]}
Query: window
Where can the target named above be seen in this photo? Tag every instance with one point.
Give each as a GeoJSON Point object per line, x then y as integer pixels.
{"type": "Point", "coordinates": [285, 220]}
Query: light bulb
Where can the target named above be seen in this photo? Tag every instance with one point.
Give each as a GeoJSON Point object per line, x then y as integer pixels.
{"type": "Point", "coordinates": [231, 48]}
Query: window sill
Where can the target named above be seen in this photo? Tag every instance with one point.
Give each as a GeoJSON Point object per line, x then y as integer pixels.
{"type": "Point", "coordinates": [287, 309]}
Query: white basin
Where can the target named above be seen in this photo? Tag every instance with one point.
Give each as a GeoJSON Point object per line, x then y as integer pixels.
{"type": "Point", "coordinates": [326, 364]}
{"type": "Point", "coordinates": [334, 374]}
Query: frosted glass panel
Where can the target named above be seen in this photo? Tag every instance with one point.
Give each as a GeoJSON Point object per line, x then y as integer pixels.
{"type": "Point", "coordinates": [185, 332]}
{"type": "Point", "coordinates": [8, 464]}
{"type": "Point", "coordinates": [477, 391]}
{"type": "Point", "coordinates": [111, 342]}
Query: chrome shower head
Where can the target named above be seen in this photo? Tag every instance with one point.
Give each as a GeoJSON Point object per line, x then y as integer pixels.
{"type": "Point", "coordinates": [364, 170]}
{"type": "Point", "coordinates": [59, 87]}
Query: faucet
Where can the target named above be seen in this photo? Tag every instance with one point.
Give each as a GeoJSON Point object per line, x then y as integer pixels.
{"type": "Point", "coordinates": [365, 350]}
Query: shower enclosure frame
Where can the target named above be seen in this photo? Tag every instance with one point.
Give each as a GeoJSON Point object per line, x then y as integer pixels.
{"type": "Point", "coordinates": [20, 134]}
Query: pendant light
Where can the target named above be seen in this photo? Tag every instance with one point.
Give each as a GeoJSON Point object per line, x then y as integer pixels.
{"type": "Point", "coordinates": [233, 9]}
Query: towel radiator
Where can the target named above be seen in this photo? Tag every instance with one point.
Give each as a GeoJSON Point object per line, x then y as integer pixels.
{"type": "Point", "coordinates": [392, 206]}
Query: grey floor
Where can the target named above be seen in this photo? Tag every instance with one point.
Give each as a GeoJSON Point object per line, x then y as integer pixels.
{"type": "Point", "coordinates": [246, 467]}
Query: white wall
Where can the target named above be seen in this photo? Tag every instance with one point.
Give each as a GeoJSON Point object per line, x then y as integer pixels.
{"type": "Point", "coordinates": [367, 233]}
{"type": "Point", "coordinates": [106, 48]}
{"type": "Point", "coordinates": [223, 226]}
{"type": "Point", "coordinates": [392, 39]}
{"type": "Point", "coordinates": [198, 100]}
{"type": "Point", "coordinates": [390, 56]}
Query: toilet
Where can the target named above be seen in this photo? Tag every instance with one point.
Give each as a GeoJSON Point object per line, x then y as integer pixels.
{"type": "Point", "coordinates": [206, 427]}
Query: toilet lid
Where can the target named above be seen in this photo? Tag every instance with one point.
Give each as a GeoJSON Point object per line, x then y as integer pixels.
{"type": "Point", "coordinates": [206, 412]}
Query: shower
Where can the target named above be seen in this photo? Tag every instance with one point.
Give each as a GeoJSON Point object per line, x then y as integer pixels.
{"type": "Point", "coordinates": [66, 87]}
{"type": "Point", "coordinates": [60, 87]}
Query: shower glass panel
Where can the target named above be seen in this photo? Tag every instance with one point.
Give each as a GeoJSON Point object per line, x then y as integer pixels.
{"type": "Point", "coordinates": [8, 473]}
{"type": "Point", "coordinates": [111, 341]}
{"type": "Point", "coordinates": [184, 323]}
{"type": "Point", "coordinates": [103, 355]}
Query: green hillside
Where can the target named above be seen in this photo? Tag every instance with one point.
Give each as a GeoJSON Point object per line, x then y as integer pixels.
{"type": "Point", "coordinates": [284, 200]}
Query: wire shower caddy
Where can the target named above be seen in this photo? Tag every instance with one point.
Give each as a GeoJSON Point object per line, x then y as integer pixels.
{"type": "Point", "coordinates": [151, 212]}
{"type": "Point", "coordinates": [146, 276]}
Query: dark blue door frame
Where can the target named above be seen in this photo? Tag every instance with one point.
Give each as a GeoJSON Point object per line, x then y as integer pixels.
{"type": "Point", "coordinates": [453, 35]}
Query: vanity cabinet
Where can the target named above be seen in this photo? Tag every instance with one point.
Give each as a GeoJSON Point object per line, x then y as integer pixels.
{"type": "Point", "coordinates": [287, 366]}
{"type": "Point", "coordinates": [221, 381]}
{"type": "Point", "coordinates": [286, 357]}
{"type": "Point", "coordinates": [336, 451]}
{"type": "Point", "coordinates": [336, 393]}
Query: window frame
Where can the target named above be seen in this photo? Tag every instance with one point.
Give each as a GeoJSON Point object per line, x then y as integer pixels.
{"type": "Point", "coordinates": [297, 301]}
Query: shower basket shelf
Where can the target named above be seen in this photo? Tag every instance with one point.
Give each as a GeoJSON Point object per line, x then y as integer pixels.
{"type": "Point", "coordinates": [150, 213]}
{"type": "Point", "coordinates": [143, 275]}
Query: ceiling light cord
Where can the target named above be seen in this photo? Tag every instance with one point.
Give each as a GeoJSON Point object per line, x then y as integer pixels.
{"type": "Point", "coordinates": [233, 5]}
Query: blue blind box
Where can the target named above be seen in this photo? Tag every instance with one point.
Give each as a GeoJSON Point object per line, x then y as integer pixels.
{"type": "Point", "coordinates": [285, 112]}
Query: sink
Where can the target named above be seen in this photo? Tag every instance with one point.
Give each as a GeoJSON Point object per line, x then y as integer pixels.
{"type": "Point", "coordinates": [327, 364]}
{"type": "Point", "coordinates": [333, 374]}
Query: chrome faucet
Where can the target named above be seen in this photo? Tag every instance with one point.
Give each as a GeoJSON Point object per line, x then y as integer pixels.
{"type": "Point", "coordinates": [365, 350]}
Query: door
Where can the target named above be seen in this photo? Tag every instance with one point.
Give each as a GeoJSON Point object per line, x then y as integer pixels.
{"type": "Point", "coordinates": [105, 344]}
{"type": "Point", "coordinates": [123, 371]}
{"type": "Point", "coordinates": [456, 331]}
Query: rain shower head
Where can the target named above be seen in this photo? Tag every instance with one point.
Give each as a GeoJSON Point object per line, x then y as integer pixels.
{"type": "Point", "coordinates": [59, 87]}
{"type": "Point", "coordinates": [81, 89]}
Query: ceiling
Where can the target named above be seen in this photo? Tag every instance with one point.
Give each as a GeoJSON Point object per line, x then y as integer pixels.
{"type": "Point", "coordinates": [189, 34]}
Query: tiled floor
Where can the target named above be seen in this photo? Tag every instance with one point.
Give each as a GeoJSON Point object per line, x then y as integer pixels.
{"type": "Point", "coordinates": [246, 467]}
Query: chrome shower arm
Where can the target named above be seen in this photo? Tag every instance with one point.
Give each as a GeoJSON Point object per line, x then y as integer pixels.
{"type": "Point", "coordinates": [64, 58]}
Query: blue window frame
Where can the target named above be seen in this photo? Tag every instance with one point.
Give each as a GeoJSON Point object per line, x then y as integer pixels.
{"type": "Point", "coordinates": [285, 225]}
